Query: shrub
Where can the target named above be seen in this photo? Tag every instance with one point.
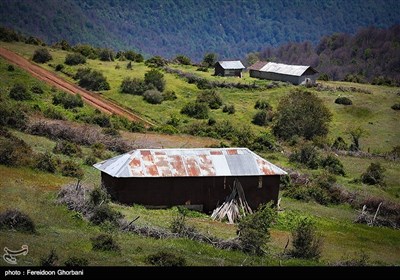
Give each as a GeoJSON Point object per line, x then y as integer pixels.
{"type": "Point", "coordinates": [86, 50]}
{"type": "Point", "coordinates": [111, 131]}
{"type": "Point", "coordinates": [262, 117]}
{"type": "Point", "coordinates": [182, 59]}
{"type": "Point", "coordinates": [323, 77]}
{"type": "Point", "coordinates": [104, 213]}
{"type": "Point", "coordinates": [36, 89]}
{"type": "Point", "coordinates": [90, 160]}
{"type": "Point", "coordinates": [153, 96]}
{"type": "Point", "coordinates": [129, 65]}
{"type": "Point", "coordinates": [91, 79]}
{"type": "Point", "coordinates": [169, 95]}
{"type": "Point", "coordinates": [106, 55]}
{"type": "Point", "coordinates": [204, 84]}
{"type": "Point", "coordinates": [104, 242]}
{"type": "Point", "coordinates": [156, 61]}
{"type": "Point", "coordinates": [41, 55]}
{"type": "Point", "coordinates": [15, 152]}
{"type": "Point", "coordinates": [50, 260]}
{"type": "Point", "coordinates": [75, 59]}
{"type": "Point", "coordinates": [98, 196]}
{"type": "Point", "coordinates": [211, 97]}
{"type": "Point", "coordinates": [165, 259]}
{"type": "Point", "coordinates": [264, 142]}
{"type": "Point", "coordinates": [19, 92]}
{"type": "Point", "coordinates": [46, 162]}
{"type": "Point", "coordinates": [374, 174]}
{"type": "Point", "coordinates": [155, 78]}
{"type": "Point", "coordinates": [209, 60]}
{"type": "Point", "coordinates": [68, 101]}
{"type": "Point", "coordinates": [101, 120]}
{"type": "Point", "coordinates": [59, 67]}
{"type": "Point", "coordinates": [53, 113]}
{"type": "Point", "coordinates": [133, 86]}
{"type": "Point", "coordinates": [262, 105]}
{"type": "Point", "coordinates": [306, 243]}
{"type": "Point", "coordinates": [343, 100]}
{"type": "Point", "coordinates": [230, 109]}
{"type": "Point", "coordinates": [16, 220]}
{"type": "Point", "coordinates": [76, 262]}
{"type": "Point", "coordinates": [396, 106]}
{"type": "Point", "coordinates": [133, 56]}
{"type": "Point", "coordinates": [71, 169]}
{"type": "Point", "coordinates": [333, 165]}
{"type": "Point", "coordinates": [10, 68]}
{"type": "Point", "coordinates": [67, 148]}
{"type": "Point", "coordinates": [339, 144]}
{"type": "Point", "coordinates": [254, 229]}
{"type": "Point", "coordinates": [211, 121]}
{"type": "Point", "coordinates": [179, 225]}
{"type": "Point", "coordinates": [195, 110]}
{"type": "Point", "coordinates": [301, 113]}
{"type": "Point", "coordinates": [12, 115]}
{"type": "Point", "coordinates": [307, 155]}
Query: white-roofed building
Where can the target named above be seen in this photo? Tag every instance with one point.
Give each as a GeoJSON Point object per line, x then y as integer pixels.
{"type": "Point", "coordinates": [229, 68]}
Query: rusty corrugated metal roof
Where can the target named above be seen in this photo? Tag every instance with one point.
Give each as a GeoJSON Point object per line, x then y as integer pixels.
{"type": "Point", "coordinates": [188, 163]}
{"type": "Point", "coordinates": [258, 65]}
{"type": "Point", "coordinates": [236, 64]}
{"type": "Point", "coordinates": [280, 68]}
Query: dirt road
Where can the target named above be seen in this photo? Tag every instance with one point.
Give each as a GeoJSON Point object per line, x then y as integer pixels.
{"type": "Point", "coordinates": [90, 98]}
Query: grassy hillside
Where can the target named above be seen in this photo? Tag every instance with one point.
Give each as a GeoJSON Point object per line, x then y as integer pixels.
{"type": "Point", "coordinates": [34, 192]}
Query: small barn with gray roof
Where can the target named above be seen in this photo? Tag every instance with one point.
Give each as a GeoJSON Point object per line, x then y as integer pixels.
{"type": "Point", "coordinates": [229, 68]}
{"type": "Point", "coordinates": [295, 74]}
{"type": "Point", "coordinates": [201, 178]}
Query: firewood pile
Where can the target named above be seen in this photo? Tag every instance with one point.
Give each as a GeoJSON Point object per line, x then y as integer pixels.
{"type": "Point", "coordinates": [234, 207]}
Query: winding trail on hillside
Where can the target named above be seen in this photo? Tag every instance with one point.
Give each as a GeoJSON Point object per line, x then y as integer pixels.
{"type": "Point", "coordinates": [89, 97]}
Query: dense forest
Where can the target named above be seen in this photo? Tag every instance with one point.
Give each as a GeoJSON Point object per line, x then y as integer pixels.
{"type": "Point", "coordinates": [169, 27]}
{"type": "Point", "coordinates": [371, 55]}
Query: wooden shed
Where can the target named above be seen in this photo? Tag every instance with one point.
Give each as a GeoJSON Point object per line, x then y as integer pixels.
{"type": "Point", "coordinates": [229, 68]}
{"type": "Point", "coordinates": [201, 178]}
{"type": "Point", "coordinates": [295, 74]}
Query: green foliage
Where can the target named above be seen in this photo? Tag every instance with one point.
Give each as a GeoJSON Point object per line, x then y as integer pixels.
{"type": "Point", "coordinates": [301, 113]}
{"type": "Point", "coordinates": [59, 67]}
{"type": "Point", "coordinates": [307, 154]}
{"type": "Point", "coordinates": [230, 109]}
{"type": "Point", "coordinates": [306, 242]}
{"type": "Point", "coordinates": [209, 59]}
{"type": "Point", "coordinates": [323, 77]}
{"type": "Point", "coordinates": [91, 79]}
{"type": "Point", "coordinates": [9, 35]}
{"type": "Point", "coordinates": [41, 55]}
{"type": "Point", "coordinates": [106, 55]}
{"type": "Point", "coordinates": [156, 62]}
{"type": "Point", "coordinates": [76, 262]}
{"type": "Point", "coordinates": [12, 115]}
{"type": "Point", "coordinates": [15, 152]}
{"type": "Point", "coordinates": [169, 95]}
{"type": "Point", "coordinates": [68, 101]}
{"type": "Point", "coordinates": [37, 89]}
{"type": "Point", "coordinates": [19, 92]}
{"type": "Point", "coordinates": [163, 258]}
{"type": "Point", "coordinates": [356, 134]}
{"type": "Point", "coordinates": [254, 229]}
{"type": "Point", "coordinates": [13, 219]}
{"type": "Point", "coordinates": [53, 113]}
{"type": "Point", "coordinates": [211, 97]}
{"type": "Point", "coordinates": [264, 142]}
{"type": "Point", "coordinates": [63, 45]}
{"type": "Point", "coordinates": [50, 260]}
{"type": "Point", "coordinates": [75, 59]}
{"type": "Point", "coordinates": [47, 162]}
{"type": "Point", "coordinates": [343, 100]}
{"type": "Point", "coordinates": [333, 165]}
{"type": "Point", "coordinates": [86, 50]}
{"type": "Point", "coordinates": [133, 56]}
{"type": "Point", "coordinates": [374, 174]}
{"type": "Point", "coordinates": [104, 242]}
{"type": "Point", "coordinates": [129, 65]}
{"type": "Point", "coordinates": [90, 160]}
{"type": "Point", "coordinates": [182, 59]}
{"type": "Point", "coordinates": [67, 148]}
{"type": "Point", "coordinates": [262, 104]}
{"type": "Point", "coordinates": [98, 196]}
{"type": "Point", "coordinates": [396, 106]}
{"type": "Point", "coordinates": [195, 110]}
{"type": "Point", "coordinates": [155, 78]}
{"type": "Point", "coordinates": [153, 96]}
{"type": "Point", "coordinates": [105, 214]}
{"type": "Point", "coordinates": [10, 68]}
{"type": "Point", "coordinates": [133, 86]}
{"type": "Point", "coordinates": [340, 144]}
{"type": "Point", "coordinates": [262, 117]}
{"type": "Point", "coordinates": [71, 169]}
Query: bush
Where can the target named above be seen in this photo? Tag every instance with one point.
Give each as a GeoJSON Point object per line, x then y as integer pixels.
{"type": "Point", "coordinates": [46, 162]}
{"type": "Point", "coordinates": [104, 242]}
{"type": "Point", "coordinates": [179, 225]}
{"type": "Point", "coordinates": [182, 59]}
{"type": "Point", "coordinates": [98, 196]}
{"type": "Point", "coordinates": [153, 96]}
{"type": "Point", "coordinates": [133, 86]}
{"type": "Point", "coordinates": [41, 55]}
{"type": "Point", "coordinates": [10, 68]}
{"type": "Point", "coordinates": [254, 229]}
{"type": "Point", "coordinates": [340, 144]}
{"type": "Point", "coordinates": [396, 106]}
{"type": "Point", "coordinates": [16, 220]}
{"type": "Point", "coordinates": [71, 169]}
{"type": "Point", "coordinates": [133, 56]}
{"type": "Point", "coordinates": [59, 67]}
{"type": "Point", "coordinates": [11, 115]}
{"type": "Point", "coordinates": [19, 92]}
{"type": "Point", "coordinates": [307, 155]}
{"type": "Point", "coordinates": [75, 59]}
{"type": "Point", "coordinates": [262, 105]}
{"type": "Point", "coordinates": [333, 165]}
{"type": "Point", "coordinates": [303, 114]}
{"type": "Point", "coordinates": [169, 95]}
{"type": "Point", "coordinates": [91, 79]}
{"type": "Point", "coordinates": [104, 213]}
{"type": "Point", "coordinates": [156, 61]}
{"type": "Point", "coordinates": [211, 97]}
{"type": "Point", "coordinates": [165, 259]}
{"type": "Point", "coordinates": [36, 89]}
{"type": "Point", "coordinates": [68, 101]}
{"type": "Point", "coordinates": [53, 113]}
{"type": "Point", "coordinates": [264, 142]}
{"type": "Point", "coordinates": [106, 55]}
{"type": "Point", "coordinates": [15, 152]}
{"type": "Point", "coordinates": [195, 110]}
{"type": "Point", "coordinates": [374, 174]}
{"type": "Point", "coordinates": [76, 262]}
{"type": "Point", "coordinates": [67, 148]}
{"type": "Point", "coordinates": [306, 243]}
{"type": "Point", "coordinates": [90, 160]}
{"type": "Point", "coordinates": [262, 117]}
{"type": "Point", "coordinates": [230, 109]}
{"type": "Point", "coordinates": [50, 260]}
{"type": "Point", "coordinates": [343, 100]}
{"type": "Point", "coordinates": [129, 65]}
{"type": "Point", "coordinates": [209, 60]}
{"type": "Point", "coordinates": [323, 77]}
{"type": "Point", "coordinates": [155, 78]}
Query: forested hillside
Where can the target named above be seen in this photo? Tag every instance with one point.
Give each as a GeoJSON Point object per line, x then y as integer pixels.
{"type": "Point", "coordinates": [168, 27]}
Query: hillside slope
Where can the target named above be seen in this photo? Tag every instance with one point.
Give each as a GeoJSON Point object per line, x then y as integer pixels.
{"type": "Point", "coordinates": [167, 28]}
